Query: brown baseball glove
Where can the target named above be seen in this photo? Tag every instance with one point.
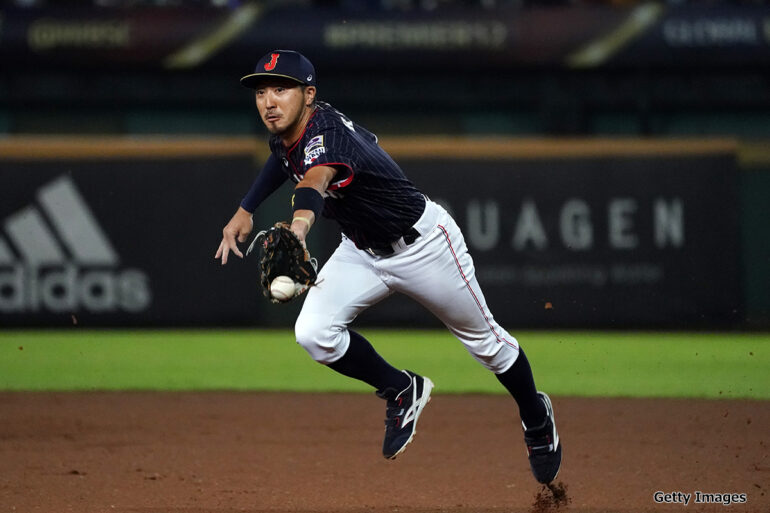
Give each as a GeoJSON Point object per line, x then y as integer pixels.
{"type": "Point", "coordinates": [282, 254]}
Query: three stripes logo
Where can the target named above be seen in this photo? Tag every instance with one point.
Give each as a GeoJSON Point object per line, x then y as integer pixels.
{"type": "Point", "coordinates": [57, 258]}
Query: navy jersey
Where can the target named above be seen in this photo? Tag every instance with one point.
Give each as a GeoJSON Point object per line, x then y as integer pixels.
{"type": "Point", "coordinates": [370, 197]}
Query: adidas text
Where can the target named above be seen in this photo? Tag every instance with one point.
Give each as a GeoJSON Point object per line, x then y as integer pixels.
{"type": "Point", "coordinates": [65, 288]}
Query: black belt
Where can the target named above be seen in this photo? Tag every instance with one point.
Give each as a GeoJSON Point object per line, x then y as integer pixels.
{"type": "Point", "coordinates": [383, 251]}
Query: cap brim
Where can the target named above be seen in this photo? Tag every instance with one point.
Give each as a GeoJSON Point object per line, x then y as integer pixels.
{"type": "Point", "coordinates": [253, 80]}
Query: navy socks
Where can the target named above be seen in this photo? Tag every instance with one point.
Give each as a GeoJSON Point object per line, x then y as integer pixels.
{"type": "Point", "coordinates": [519, 382]}
{"type": "Point", "coordinates": [363, 363]}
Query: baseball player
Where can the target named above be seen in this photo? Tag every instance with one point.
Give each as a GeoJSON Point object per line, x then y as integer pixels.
{"type": "Point", "coordinates": [394, 239]}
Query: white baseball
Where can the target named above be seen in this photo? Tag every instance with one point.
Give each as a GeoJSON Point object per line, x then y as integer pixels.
{"type": "Point", "coordinates": [282, 288]}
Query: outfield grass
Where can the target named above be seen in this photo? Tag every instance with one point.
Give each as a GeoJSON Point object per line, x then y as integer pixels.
{"type": "Point", "coordinates": [565, 363]}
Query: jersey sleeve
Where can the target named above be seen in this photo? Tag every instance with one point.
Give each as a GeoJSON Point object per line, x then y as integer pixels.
{"type": "Point", "coordinates": [266, 183]}
{"type": "Point", "coordinates": [330, 148]}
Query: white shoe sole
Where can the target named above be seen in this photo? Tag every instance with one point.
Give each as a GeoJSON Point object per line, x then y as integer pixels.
{"type": "Point", "coordinates": [427, 387]}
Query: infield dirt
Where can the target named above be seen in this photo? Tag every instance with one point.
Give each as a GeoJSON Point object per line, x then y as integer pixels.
{"type": "Point", "coordinates": [158, 452]}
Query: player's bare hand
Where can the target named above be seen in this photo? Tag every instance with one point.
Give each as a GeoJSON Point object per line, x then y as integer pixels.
{"type": "Point", "coordinates": [235, 231]}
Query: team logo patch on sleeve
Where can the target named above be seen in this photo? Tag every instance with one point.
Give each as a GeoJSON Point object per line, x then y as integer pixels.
{"type": "Point", "coordinates": [314, 149]}
{"type": "Point", "coordinates": [315, 142]}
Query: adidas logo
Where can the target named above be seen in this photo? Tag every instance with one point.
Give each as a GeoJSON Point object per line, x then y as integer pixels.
{"type": "Point", "coordinates": [63, 261]}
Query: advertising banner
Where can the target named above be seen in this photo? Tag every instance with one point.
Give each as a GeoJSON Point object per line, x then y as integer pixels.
{"type": "Point", "coordinates": [614, 241]}
{"type": "Point", "coordinates": [580, 36]}
{"type": "Point", "coordinates": [123, 242]}
{"type": "Point", "coordinates": [608, 241]}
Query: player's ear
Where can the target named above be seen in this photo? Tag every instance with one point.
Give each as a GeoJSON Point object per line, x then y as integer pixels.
{"type": "Point", "coordinates": [309, 95]}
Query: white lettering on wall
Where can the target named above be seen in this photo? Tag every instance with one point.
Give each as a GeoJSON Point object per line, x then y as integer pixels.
{"type": "Point", "coordinates": [483, 224]}
{"type": "Point", "coordinates": [668, 222]}
{"type": "Point", "coordinates": [575, 225]}
{"type": "Point", "coordinates": [620, 212]}
{"type": "Point", "coordinates": [529, 229]}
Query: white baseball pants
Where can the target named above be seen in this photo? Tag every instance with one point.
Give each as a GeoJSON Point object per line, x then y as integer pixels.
{"type": "Point", "coordinates": [436, 270]}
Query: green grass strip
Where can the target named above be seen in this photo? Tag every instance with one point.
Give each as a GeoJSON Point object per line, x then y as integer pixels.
{"type": "Point", "coordinates": [609, 364]}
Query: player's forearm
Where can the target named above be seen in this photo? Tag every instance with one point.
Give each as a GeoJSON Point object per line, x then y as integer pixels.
{"type": "Point", "coordinates": [301, 222]}
{"type": "Point", "coordinates": [308, 198]}
{"type": "Point", "coordinates": [318, 178]}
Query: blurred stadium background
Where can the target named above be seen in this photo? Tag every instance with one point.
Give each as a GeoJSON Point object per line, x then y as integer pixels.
{"type": "Point", "coordinates": [609, 161]}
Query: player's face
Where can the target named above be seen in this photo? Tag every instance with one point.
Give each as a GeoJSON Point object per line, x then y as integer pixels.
{"type": "Point", "coordinates": [283, 106]}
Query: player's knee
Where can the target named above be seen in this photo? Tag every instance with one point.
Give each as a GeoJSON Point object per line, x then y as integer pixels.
{"type": "Point", "coordinates": [315, 335]}
{"type": "Point", "coordinates": [492, 352]}
{"type": "Point", "coordinates": [498, 362]}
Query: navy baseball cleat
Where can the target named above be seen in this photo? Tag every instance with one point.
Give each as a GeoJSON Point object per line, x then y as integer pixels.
{"type": "Point", "coordinates": [543, 447]}
{"type": "Point", "coordinates": [402, 411]}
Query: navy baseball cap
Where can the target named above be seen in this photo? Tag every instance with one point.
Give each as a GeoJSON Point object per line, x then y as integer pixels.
{"type": "Point", "coordinates": [282, 64]}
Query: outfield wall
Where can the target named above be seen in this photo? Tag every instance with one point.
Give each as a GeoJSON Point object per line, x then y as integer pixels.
{"type": "Point", "coordinates": [564, 233]}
